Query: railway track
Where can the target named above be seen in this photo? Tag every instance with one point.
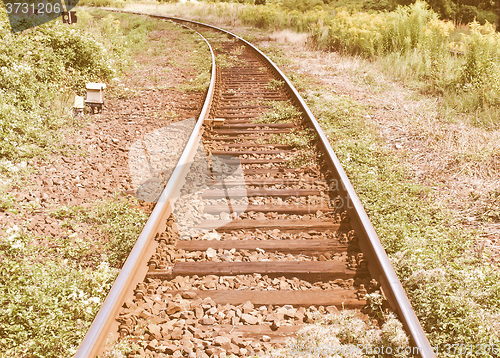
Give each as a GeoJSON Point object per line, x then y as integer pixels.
{"type": "Point", "coordinates": [277, 239]}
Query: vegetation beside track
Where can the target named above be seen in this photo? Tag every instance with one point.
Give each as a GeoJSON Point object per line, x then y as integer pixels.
{"type": "Point", "coordinates": [453, 287]}
{"type": "Point", "coordinates": [452, 284]}
{"type": "Point", "coordinates": [39, 69]}
{"type": "Point", "coordinates": [52, 284]}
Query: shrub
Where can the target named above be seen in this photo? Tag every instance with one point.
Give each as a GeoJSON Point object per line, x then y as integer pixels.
{"type": "Point", "coordinates": [480, 73]}
{"type": "Point", "coordinates": [420, 42]}
{"type": "Point", "coordinates": [45, 307]}
{"type": "Point", "coordinates": [466, 14]}
{"type": "Point", "coordinates": [301, 5]}
{"type": "Point", "coordinates": [37, 69]}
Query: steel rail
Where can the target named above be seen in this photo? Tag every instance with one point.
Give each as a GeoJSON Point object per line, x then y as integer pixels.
{"type": "Point", "coordinates": [390, 283]}
{"type": "Point", "coordinates": [134, 269]}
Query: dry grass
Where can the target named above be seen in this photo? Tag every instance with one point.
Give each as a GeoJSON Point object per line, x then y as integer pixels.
{"type": "Point", "coordinates": [346, 334]}
{"type": "Point", "coordinates": [288, 36]}
{"type": "Point", "coordinates": [213, 13]}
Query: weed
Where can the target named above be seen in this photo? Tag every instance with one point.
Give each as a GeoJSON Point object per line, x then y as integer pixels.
{"type": "Point", "coordinates": [122, 349]}
{"type": "Point", "coordinates": [6, 199]}
{"type": "Point", "coordinates": [280, 112]}
{"type": "Point", "coordinates": [198, 84]}
{"type": "Point", "coordinates": [275, 85]}
{"type": "Point", "coordinates": [115, 220]}
{"type": "Point", "coordinates": [35, 88]}
{"type": "Point", "coordinates": [298, 138]}
{"type": "Point", "coordinates": [238, 50]}
{"type": "Point", "coordinates": [49, 295]}
{"type": "Point", "coordinates": [122, 92]}
{"type": "Point", "coordinates": [346, 334]}
{"type": "Point", "coordinates": [302, 158]}
{"type": "Point", "coordinates": [225, 60]}
{"type": "Point", "coordinates": [45, 307]}
{"type": "Point", "coordinates": [451, 287]}
{"type": "Point", "coordinates": [487, 206]}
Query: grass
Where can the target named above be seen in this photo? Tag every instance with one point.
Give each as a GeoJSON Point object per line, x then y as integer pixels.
{"type": "Point", "coordinates": [51, 288]}
{"type": "Point", "coordinates": [279, 112]}
{"type": "Point", "coordinates": [127, 35]}
{"type": "Point", "coordinates": [116, 220]}
{"type": "Point", "coordinates": [453, 288]}
{"type": "Point", "coordinates": [224, 60]}
{"type": "Point", "coordinates": [346, 334]}
{"type": "Point", "coordinates": [45, 306]}
{"type": "Point", "coordinates": [297, 138]}
{"type": "Point", "coordinates": [302, 139]}
{"type": "Point", "coordinates": [411, 42]}
{"type": "Point", "coordinates": [275, 84]}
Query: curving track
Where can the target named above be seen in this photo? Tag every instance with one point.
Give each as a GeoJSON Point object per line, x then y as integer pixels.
{"type": "Point", "coordinates": [280, 238]}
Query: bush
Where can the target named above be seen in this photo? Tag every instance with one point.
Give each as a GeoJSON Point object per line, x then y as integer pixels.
{"type": "Point", "coordinates": [375, 34]}
{"type": "Point", "coordinates": [445, 8]}
{"type": "Point", "coordinates": [418, 40]}
{"type": "Point", "coordinates": [37, 69]}
{"type": "Point", "coordinates": [45, 307]}
{"type": "Point", "coordinates": [466, 14]}
{"type": "Point", "coordinates": [301, 5]}
{"type": "Point", "coordinates": [378, 5]}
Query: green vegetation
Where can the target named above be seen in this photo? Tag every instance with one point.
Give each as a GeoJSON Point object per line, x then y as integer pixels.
{"type": "Point", "coordinates": [454, 289]}
{"type": "Point", "coordinates": [279, 112]}
{"type": "Point", "coordinates": [115, 220]}
{"type": "Point", "coordinates": [50, 293]}
{"type": "Point", "coordinates": [297, 138]}
{"type": "Point", "coordinates": [225, 60]}
{"type": "Point", "coordinates": [345, 334]}
{"type": "Point", "coordinates": [43, 68]}
{"type": "Point", "coordinates": [275, 84]}
{"type": "Point", "coordinates": [38, 70]}
{"type": "Point", "coordinates": [463, 66]}
{"type": "Point", "coordinates": [45, 306]}
{"type": "Point", "coordinates": [302, 139]}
